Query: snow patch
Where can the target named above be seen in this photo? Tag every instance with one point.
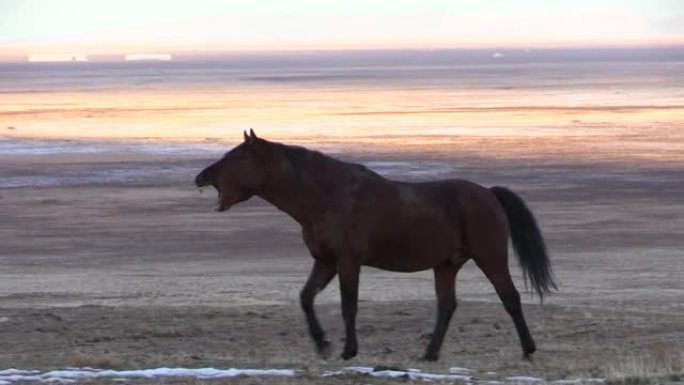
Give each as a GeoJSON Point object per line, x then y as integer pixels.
{"type": "Point", "coordinates": [459, 370]}
{"type": "Point", "coordinates": [524, 379]}
{"type": "Point", "coordinates": [412, 374]}
{"type": "Point", "coordinates": [72, 375]}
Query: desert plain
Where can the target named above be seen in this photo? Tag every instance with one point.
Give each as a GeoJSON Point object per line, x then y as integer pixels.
{"type": "Point", "coordinates": [115, 260]}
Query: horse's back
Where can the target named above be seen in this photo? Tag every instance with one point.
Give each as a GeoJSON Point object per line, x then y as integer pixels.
{"type": "Point", "coordinates": [415, 226]}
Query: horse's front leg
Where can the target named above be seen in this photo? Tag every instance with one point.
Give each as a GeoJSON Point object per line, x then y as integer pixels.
{"type": "Point", "coordinates": [349, 271]}
{"type": "Point", "coordinates": [321, 274]}
{"type": "Point", "coordinates": [445, 279]}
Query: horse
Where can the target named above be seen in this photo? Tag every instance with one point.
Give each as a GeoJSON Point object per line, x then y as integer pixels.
{"type": "Point", "coordinates": [352, 217]}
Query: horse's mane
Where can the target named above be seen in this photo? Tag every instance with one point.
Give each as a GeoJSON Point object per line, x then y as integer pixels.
{"type": "Point", "coordinates": [302, 158]}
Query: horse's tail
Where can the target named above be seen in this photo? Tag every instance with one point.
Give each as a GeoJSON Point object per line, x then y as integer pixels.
{"type": "Point", "coordinates": [528, 242]}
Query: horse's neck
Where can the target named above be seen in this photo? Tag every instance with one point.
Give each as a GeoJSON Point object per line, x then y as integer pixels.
{"type": "Point", "coordinates": [302, 198]}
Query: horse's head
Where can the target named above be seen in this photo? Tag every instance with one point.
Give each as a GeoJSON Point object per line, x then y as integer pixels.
{"type": "Point", "coordinates": [240, 173]}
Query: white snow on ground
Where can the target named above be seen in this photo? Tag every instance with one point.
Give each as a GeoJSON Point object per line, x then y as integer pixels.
{"type": "Point", "coordinates": [459, 370]}
{"type": "Point", "coordinates": [523, 379]}
{"type": "Point", "coordinates": [72, 375]}
{"type": "Point", "coordinates": [413, 374]}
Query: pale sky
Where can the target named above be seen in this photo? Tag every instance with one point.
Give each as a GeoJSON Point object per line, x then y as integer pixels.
{"type": "Point", "coordinates": [124, 26]}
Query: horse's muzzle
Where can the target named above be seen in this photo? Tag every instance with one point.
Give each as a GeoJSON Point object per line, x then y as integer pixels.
{"type": "Point", "coordinates": [202, 180]}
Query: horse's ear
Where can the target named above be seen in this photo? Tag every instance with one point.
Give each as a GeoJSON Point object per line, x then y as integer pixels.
{"type": "Point", "coordinates": [250, 138]}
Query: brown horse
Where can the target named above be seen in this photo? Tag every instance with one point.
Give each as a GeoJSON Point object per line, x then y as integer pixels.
{"type": "Point", "coordinates": [351, 216]}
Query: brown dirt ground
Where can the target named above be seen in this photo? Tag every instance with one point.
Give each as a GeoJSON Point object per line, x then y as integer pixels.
{"type": "Point", "coordinates": [141, 276]}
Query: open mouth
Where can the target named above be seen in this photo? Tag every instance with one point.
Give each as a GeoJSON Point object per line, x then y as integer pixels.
{"type": "Point", "coordinates": [221, 204]}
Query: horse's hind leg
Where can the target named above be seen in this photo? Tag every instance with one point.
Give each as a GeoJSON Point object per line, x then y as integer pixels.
{"type": "Point", "coordinates": [496, 270]}
{"type": "Point", "coordinates": [320, 276]}
{"type": "Point", "coordinates": [349, 271]}
{"type": "Point", "coordinates": [445, 279]}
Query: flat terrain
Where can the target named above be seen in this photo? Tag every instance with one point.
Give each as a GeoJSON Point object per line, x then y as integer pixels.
{"type": "Point", "coordinates": [141, 273]}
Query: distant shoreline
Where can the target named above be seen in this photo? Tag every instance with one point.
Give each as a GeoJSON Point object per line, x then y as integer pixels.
{"type": "Point", "coordinates": [598, 51]}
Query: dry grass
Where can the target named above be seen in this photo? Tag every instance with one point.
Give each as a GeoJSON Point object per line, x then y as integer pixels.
{"type": "Point", "coordinates": [573, 343]}
{"type": "Point", "coordinates": [299, 380]}
{"type": "Point", "coordinates": [655, 369]}
{"type": "Point", "coordinates": [97, 360]}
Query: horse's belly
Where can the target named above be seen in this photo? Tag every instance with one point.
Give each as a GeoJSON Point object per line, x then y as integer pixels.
{"type": "Point", "coordinates": [417, 247]}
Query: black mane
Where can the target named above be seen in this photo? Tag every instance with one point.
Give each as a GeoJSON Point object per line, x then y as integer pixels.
{"type": "Point", "coordinates": [301, 157]}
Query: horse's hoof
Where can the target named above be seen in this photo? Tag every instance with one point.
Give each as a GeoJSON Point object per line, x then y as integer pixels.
{"type": "Point", "coordinates": [430, 357]}
{"type": "Point", "coordinates": [527, 352]}
{"type": "Point", "coordinates": [347, 355]}
{"type": "Point", "coordinates": [324, 349]}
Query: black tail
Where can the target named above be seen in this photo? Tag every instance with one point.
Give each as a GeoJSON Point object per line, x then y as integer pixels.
{"type": "Point", "coordinates": [528, 242]}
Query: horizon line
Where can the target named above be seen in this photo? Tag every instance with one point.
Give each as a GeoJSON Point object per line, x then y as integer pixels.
{"type": "Point", "coordinates": [191, 52]}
